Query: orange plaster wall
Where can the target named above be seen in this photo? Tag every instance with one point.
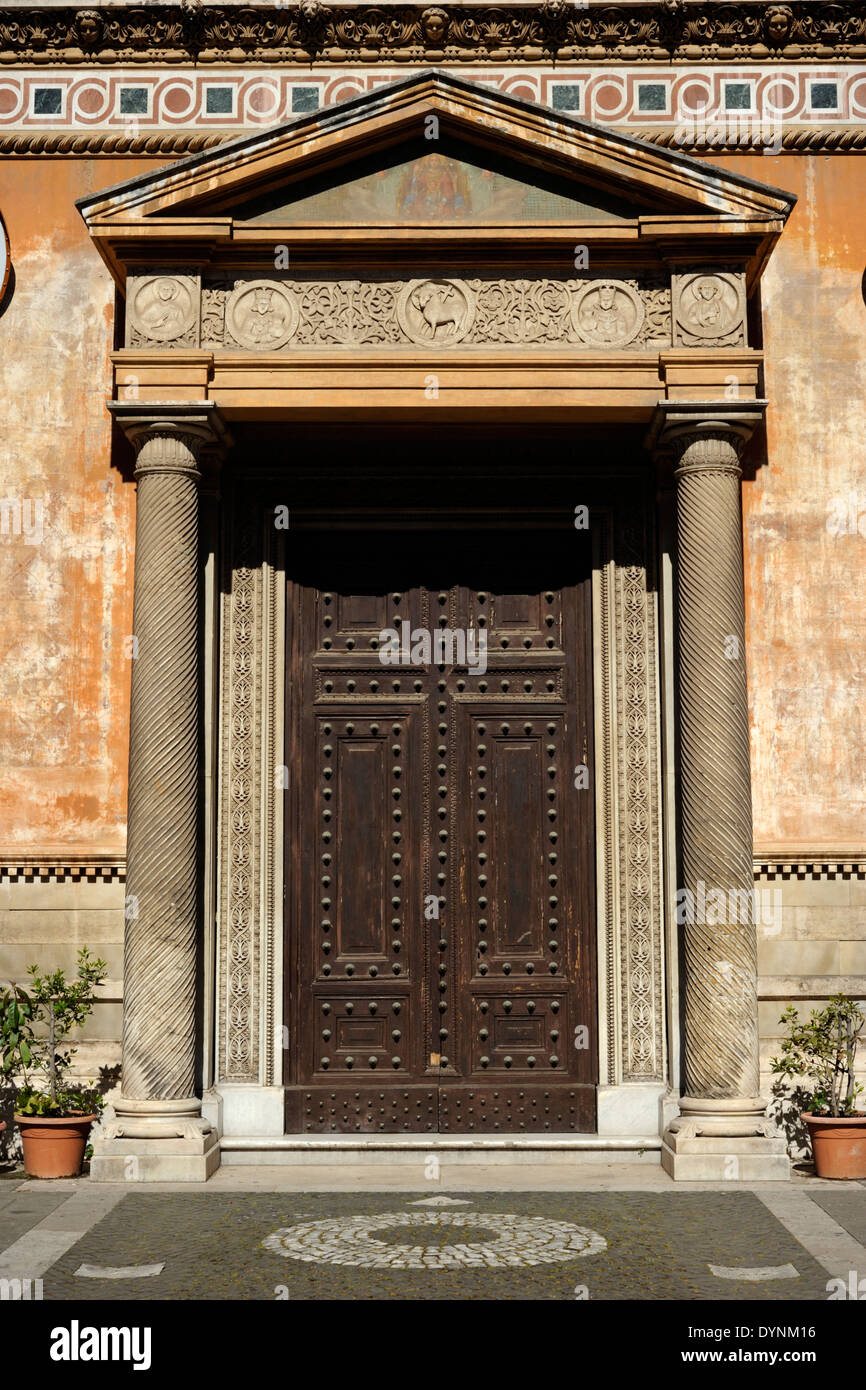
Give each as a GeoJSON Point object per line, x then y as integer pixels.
{"type": "Point", "coordinates": [67, 601]}
{"type": "Point", "coordinates": [806, 582]}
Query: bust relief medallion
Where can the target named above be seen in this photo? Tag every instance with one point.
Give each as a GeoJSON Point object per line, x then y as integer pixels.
{"type": "Point", "coordinates": [607, 313]}
{"type": "Point", "coordinates": [262, 315]}
{"type": "Point", "coordinates": [709, 309]}
{"type": "Point", "coordinates": [164, 308]}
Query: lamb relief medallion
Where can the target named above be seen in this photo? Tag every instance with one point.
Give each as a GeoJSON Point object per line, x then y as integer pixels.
{"type": "Point", "coordinates": [163, 308]}
{"type": "Point", "coordinates": [436, 313]}
{"type": "Point", "coordinates": [262, 315]}
{"type": "Point", "coordinates": [607, 313]}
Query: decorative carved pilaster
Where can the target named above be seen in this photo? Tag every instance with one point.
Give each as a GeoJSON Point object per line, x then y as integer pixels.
{"type": "Point", "coordinates": [719, 944]}
{"type": "Point", "coordinates": [638, 839]}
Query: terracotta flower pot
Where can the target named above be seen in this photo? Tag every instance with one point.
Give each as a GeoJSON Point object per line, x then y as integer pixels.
{"type": "Point", "coordinates": [838, 1145]}
{"type": "Point", "coordinates": [54, 1148]}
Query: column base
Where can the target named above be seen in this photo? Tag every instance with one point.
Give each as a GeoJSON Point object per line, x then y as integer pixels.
{"type": "Point", "coordinates": [155, 1160]}
{"type": "Point", "coordinates": [724, 1140]}
{"type": "Point", "coordinates": [687, 1157]}
{"type": "Point", "coordinates": [155, 1141]}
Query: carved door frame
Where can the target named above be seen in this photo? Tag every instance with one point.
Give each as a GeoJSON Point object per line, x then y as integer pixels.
{"type": "Point", "coordinates": [630, 849]}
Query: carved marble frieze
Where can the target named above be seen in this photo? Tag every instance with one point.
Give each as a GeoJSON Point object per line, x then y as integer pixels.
{"type": "Point", "coordinates": [281, 314]}
{"type": "Point", "coordinates": [642, 30]}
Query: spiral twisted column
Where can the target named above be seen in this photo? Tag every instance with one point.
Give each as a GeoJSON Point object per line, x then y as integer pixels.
{"type": "Point", "coordinates": [158, 1099]}
{"type": "Point", "coordinates": [719, 936]}
{"type": "Point", "coordinates": [162, 849]}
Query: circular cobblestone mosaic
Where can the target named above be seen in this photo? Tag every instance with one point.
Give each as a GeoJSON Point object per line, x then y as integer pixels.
{"type": "Point", "coordinates": [518, 1240]}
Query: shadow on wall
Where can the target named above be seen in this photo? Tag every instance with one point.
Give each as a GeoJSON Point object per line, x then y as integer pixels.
{"type": "Point", "coordinates": [785, 1109]}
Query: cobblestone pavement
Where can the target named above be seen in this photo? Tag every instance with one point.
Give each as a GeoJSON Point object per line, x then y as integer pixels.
{"type": "Point", "coordinates": [464, 1246]}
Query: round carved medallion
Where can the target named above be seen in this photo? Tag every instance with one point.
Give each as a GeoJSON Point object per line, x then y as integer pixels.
{"type": "Point", "coordinates": [709, 306]}
{"type": "Point", "coordinates": [607, 313]}
{"type": "Point", "coordinates": [163, 308]}
{"type": "Point", "coordinates": [262, 315]}
{"type": "Point", "coordinates": [436, 312]}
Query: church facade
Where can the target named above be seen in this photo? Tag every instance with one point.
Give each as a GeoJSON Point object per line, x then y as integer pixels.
{"type": "Point", "coordinates": [433, 516]}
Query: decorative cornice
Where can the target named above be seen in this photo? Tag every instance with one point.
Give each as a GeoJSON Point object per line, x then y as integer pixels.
{"type": "Point", "coordinates": [86, 144]}
{"type": "Point", "coordinates": [548, 31]}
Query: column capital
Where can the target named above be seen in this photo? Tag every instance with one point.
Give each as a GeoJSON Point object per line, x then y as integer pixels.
{"type": "Point", "coordinates": [172, 438]}
{"type": "Point", "coordinates": [703, 436]}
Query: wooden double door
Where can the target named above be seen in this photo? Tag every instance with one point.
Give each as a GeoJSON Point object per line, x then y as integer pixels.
{"type": "Point", "coordinates": [440, 961]}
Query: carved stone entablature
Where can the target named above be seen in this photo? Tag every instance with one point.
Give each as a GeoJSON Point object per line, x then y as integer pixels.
{"type": "Point", "coordinates": [280, 314]}
{"type": "Point", "coordinates": [162, 309]}
{"type": "Point", "coordinates": [709, 308]}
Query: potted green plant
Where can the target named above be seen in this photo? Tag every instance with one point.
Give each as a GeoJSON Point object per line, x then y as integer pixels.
{"type": "Point", "coordinates": [55, 1116]}
{"type": "Point", "coordinates": [822, 1049]}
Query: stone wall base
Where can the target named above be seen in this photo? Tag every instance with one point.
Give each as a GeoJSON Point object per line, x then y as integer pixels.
{"type": "Point", "coordinates": [634, 1108]}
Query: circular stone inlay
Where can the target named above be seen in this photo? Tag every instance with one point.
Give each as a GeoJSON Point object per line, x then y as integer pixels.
{"type": "Point", "coordinates": [519, 1240]}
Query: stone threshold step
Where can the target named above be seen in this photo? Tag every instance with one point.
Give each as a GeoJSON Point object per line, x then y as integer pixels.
{"type": "Point", "coordinates": [412, 1148]}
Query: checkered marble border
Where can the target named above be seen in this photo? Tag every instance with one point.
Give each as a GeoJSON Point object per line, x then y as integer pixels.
{"type": "Point", "coordinates": [138, 100]}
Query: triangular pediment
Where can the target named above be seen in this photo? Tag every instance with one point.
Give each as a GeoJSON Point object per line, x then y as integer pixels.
{"type": "Point", "coordinates": [436, 150]}
{"type": "Point", "coordinates": [421, 182]}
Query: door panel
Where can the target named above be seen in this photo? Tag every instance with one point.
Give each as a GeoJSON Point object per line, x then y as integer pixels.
{"type": "Point", "coordinates": [439, 854]}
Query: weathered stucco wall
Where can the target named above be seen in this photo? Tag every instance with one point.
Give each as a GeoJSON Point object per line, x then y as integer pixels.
{"type": "Point", "coordinates": [64, 674]}
{"type": "Point", "coordinates": [805, 556]}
